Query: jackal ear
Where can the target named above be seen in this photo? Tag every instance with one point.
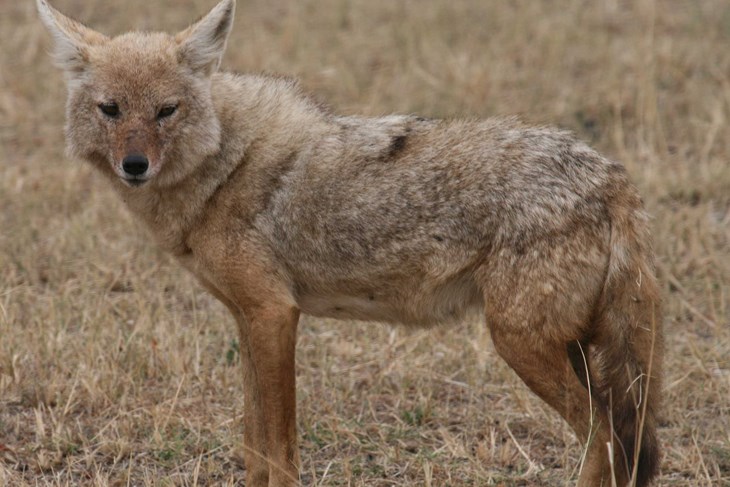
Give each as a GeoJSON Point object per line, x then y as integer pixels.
{"type": "Point", "coordinates": [71, 39]}
{"type": "Point", "coordinates": [203, 43]}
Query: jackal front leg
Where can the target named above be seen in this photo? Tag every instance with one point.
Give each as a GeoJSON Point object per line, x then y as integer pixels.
{"type": "Point", "coordinates": [267, 332]}
{"type": "Point", "coordinates": [267, 319]}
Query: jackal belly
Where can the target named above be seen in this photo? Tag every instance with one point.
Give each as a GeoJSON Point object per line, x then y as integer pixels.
{"type": "Point", "coordinates": [415, 300]}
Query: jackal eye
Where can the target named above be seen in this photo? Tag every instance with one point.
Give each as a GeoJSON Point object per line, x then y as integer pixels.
{"type": "Point", "coordinates": [166, 111]}
{"type": "Point", "coordinates": [110, 109]}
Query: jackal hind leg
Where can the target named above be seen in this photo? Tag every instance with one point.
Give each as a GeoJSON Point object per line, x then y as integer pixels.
{"type": "Point", "coordinates": [545, 368]}
{"type": "Point", "coordinates": [538, 308]}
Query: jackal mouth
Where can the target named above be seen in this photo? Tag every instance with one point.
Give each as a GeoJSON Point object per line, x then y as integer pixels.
{"type": "Point", "coordinates": [134, 181]}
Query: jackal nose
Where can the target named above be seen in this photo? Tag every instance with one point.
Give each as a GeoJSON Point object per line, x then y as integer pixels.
{"type": "Point", "coordinates": [135, 164]}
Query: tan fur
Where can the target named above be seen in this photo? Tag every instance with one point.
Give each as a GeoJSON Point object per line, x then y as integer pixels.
{"type": "Point", "coordinates": [280, 207]}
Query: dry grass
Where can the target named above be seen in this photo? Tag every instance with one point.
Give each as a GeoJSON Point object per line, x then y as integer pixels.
{"type": "Point", "coordinates": [117, 369]}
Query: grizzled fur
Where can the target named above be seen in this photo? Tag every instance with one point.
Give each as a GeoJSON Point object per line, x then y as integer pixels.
{"type": "Point", "coordinates": [280, 207]}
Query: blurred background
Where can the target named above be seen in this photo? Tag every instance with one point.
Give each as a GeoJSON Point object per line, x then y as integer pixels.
{"type": "Point", "coordinates": [117, 369]}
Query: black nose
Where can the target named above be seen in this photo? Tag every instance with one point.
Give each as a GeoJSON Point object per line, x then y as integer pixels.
{"type": "Point", "coordinates": [135, 164]}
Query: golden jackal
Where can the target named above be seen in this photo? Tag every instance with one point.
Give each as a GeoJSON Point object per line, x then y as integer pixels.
{"type": "Point", "coordinates": [280, 207]}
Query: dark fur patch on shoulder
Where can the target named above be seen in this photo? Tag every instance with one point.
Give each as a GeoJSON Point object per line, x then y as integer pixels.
{"type": "Point", "coordinates": [397, 144]}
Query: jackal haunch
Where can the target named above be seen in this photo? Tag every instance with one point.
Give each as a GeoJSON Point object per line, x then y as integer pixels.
{"type": "Point", "coordinates": [280, 207]}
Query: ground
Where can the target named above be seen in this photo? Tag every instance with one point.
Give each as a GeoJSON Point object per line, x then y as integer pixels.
{"type": "Point", "coordinates": [117, 369]}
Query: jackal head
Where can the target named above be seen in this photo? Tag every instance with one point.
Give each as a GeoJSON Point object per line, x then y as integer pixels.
{"type": "Point", "coordinates": [140, 105]}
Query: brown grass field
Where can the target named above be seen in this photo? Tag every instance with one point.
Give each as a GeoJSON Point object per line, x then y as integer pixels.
{"type": "Point", "coordinates": [116, 368]}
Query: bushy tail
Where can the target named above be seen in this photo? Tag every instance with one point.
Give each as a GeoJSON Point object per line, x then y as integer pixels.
{"type": "Point", "coordinates": [628, 345]}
